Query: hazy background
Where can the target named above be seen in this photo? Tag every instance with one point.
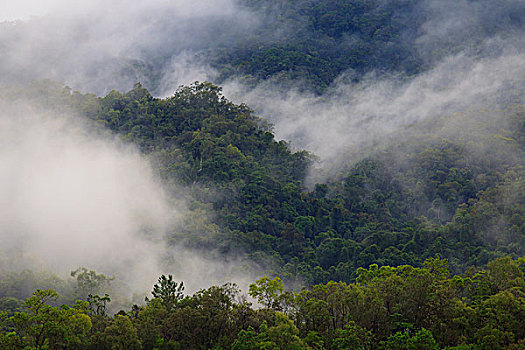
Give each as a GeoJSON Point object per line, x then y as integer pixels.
{"type": "Point", "coordinates": [71, 195]}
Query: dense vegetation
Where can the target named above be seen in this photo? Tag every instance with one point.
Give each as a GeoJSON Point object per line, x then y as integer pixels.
{"type": "Point", "coordinates": [317, 41]}
{"type": "Point", "coordinates": [461, 198]}
{"type": "Point", "coordinates": [442, 198]}
{"type": "Point", "coordinates": [387, 308]}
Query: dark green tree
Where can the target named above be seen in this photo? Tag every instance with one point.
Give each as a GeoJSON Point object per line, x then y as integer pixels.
{"type": "Point", "coordinates": [168, 291]}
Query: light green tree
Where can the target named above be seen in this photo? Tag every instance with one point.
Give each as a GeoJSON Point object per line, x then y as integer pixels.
{"type": "Point", "coordinates": [122, 335]}
{"type": "Point", "coordinates": [44, 326]}
{"type": "Point", "coordinates": [267, 291]}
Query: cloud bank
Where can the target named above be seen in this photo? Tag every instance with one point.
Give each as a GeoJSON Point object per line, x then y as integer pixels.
{"type": "Point", "coordinates": [473, 55]}
{"type": "Point", "coordinates": [357, 116]}
{"type": "Point", "coordinates": [73, 196]}
{"type": "Point", "coordinates": [102, 45]}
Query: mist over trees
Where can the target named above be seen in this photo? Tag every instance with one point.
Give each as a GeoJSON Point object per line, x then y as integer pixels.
{"type": "Point", "coordinates": [427, 196]}
{"type": "Point", "coordinates": [306, 44]}
{"type": "Point", "coordinates": [365, 157]}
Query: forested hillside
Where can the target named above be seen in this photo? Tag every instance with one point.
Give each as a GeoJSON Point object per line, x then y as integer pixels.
{"type": "Point", "coordinates": [367, 157]}
{"type": "Point", "coordinates": [317, 41]}
{"type": "Point", "coordinates": [460, 198]}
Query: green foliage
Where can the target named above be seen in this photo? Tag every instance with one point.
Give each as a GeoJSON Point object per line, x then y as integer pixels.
{"type": "Point", "coordinates": [422, 340]}
{"type": "Point", "coordinates": [352, 337]}
{"type": "Point", "coordinates": [283, 335]}
{"type": "Point", "coordinates": [11, 305]}
{"type": "Point", "coordinates": [267, 291]}
{"type": "Point", "coordinates": [391, 249]}
{"type": "Point", "coordinates": [97, 304]}
{"type": "Point", "coordinates": [402, 307]}
{"type": "Point", "coordinates": [317, 41]}
{"type": "Point", "coordinates": [45, 326]}
{"type": "Point", "coordinates": [121, 334]}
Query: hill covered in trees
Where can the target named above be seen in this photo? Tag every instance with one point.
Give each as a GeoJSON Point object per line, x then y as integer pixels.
{"type": "Point", "coordinates": [460, 198]}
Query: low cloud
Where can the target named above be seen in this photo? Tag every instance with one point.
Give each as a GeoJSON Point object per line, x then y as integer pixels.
{"type": "Point", "coordinates": [74, 196]}
{"type": "Point", "coordinates": [105, 45]}
{"type": "Point", "coordinates": [354, 119]}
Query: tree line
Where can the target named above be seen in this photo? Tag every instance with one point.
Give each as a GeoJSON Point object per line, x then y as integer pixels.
{"type": "Point", "coordinates": [401, 307]}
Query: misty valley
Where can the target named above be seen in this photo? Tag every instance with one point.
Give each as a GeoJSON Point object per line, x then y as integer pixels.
{"type": "Point", "coordinates": [262, 174]}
